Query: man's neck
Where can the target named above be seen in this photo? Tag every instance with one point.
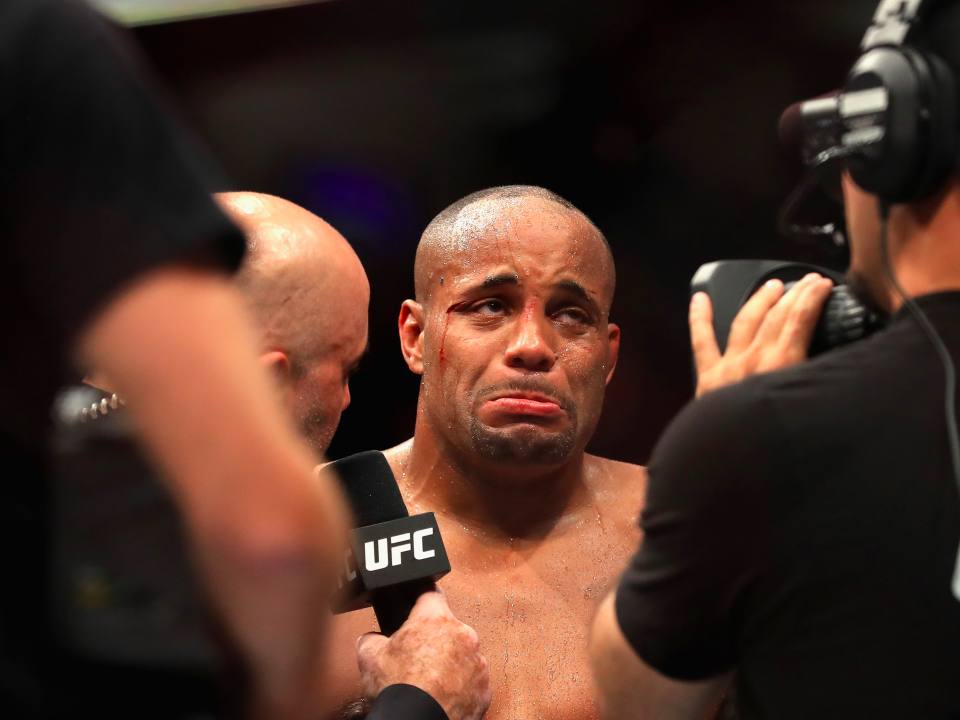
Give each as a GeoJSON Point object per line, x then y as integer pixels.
{"type": "Point", "coordinates": [925, 245]}
{"type": "Point", "coordinates": [504, 500]}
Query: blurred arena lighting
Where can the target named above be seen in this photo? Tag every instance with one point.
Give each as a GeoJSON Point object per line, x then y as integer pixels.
{"type": "Point", "coordinates": [149, 12]}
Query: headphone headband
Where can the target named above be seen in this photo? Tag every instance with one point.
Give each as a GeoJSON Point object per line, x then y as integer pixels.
{"type": "Point", "coordinates": [895, 123]}
{"type": "Point", "coordinates": [891, 23]}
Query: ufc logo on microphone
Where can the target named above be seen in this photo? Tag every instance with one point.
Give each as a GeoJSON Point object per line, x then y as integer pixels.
{"type": "Point", "coordinates": [385, 554]}
{"type": "Point", "coordinates": [381, 554]}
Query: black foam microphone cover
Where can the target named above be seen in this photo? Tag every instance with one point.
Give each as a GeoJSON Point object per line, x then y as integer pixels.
{"type": "Point", "coordinates": [371, 488]}
{"type": "Point", "coordinates": [403, 567]}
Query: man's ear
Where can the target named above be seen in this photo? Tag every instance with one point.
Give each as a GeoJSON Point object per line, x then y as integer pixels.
{"type": "Point", "coordinates": [613, 351]}
{"type": "Point", "coordinates": [277, 364]}
{"type": "Point", "coordinates": [411, 326]}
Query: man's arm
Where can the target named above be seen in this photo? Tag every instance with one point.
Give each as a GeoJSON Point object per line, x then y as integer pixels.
{"type": "Point", "coordinates": [628, 688]}
{"type": "Point", "coordinates": [263, 531]}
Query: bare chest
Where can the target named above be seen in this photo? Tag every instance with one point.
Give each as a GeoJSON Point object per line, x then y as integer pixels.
{"type": "Point", "coordinates": [531, 604]}
{"type": "Point", "coordinates": [534, 636]}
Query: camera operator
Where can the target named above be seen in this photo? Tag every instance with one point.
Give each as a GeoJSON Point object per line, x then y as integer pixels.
{"type": "Point", "coordinates": [115, 257]}
{"type": "Point", "coordinates": [802, 526]}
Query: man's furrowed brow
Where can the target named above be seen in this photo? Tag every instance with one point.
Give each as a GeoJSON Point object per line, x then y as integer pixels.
{"type": "Point", "coordinates": [501, 279]}
{"type": "Point", "coordinates": [507, 279]}
{"type": "Point", "coordinates": [576, 289]}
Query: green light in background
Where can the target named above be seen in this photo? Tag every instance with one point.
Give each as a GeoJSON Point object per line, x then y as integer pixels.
{"type": "Point", "coordinates": [148, 12]}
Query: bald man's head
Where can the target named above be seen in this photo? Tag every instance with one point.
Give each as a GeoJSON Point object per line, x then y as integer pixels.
{"type": "Point", "coordinates": [308, 295]}
{"type": "Point", "coordinates": [491, 211]}
{"type": "Point", "coordinates": [510, 328]}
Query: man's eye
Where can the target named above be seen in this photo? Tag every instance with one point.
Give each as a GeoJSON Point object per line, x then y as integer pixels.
{"type": "Point", "coordinates": [490, 307]}
{"type": "Point", "coordinates": [572, 315]}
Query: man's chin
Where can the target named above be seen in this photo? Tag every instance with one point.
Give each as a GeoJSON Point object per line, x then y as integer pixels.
{"type": "Point", "coordinates": [524, 443]}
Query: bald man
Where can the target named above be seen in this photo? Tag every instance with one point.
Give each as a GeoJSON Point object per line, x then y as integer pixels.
{"type": "Point", "coordinates": [510, 333]}
{"type": "Point", "coordinates": [308, 295]}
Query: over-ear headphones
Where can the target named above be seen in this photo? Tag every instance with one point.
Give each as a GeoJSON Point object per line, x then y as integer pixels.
{"type": "Point", "coordinates": [917, 133]}
{"type": "Point", "coordinates": [896, 119]}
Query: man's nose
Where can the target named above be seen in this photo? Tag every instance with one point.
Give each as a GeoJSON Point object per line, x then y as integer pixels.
{"type": "Point", "coordinates": [529, 348]}
{"type": "Point", "coordinates": [346, 398]}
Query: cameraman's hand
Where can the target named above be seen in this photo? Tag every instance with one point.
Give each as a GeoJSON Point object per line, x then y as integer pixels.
{"type": "Point", "coordinates": [770, 332]}
{"type": "Point", "coordinates": [434, 652]}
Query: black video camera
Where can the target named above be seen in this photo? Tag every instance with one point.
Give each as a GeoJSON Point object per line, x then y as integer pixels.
{"type": "Point", "coordinates": [730, 283]}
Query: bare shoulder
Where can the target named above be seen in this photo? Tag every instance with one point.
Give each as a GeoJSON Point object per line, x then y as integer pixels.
{"type": "Point", "coordinates": [617, 484]}
{"type": "Point", "coordinates": [604, 471]}
{"type": "Point", "coordinates": [399, 456]}
{"type": "Point", "coordinates": [396, 457]}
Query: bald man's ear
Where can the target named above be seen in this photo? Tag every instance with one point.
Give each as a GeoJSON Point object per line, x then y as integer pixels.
{"type": "Point", "coordinates": [613, 338]}
{"type": "Point", "coordinates": [277, 364]}
{"type": "Point", "coordinates": [411, 335]}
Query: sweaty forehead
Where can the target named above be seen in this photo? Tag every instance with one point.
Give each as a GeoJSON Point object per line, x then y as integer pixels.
{"type": "Point", "coordinates": [533, 237]}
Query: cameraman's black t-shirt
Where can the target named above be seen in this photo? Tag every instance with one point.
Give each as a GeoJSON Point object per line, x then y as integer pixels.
{"type": "Point", "coordinates": [98, 183]}
{"type": "Point", "coordinates": [802, 528]}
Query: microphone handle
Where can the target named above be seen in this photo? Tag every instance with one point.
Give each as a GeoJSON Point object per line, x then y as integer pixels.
{"type": "Point", "coordinates": [393, 604]}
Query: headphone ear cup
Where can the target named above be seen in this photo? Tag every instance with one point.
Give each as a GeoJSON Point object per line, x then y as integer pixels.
{"type": "Point", "coordinates": [889, 168]}
{"type": "Point", "coordinates": [940, 116]}
{"type": "Point", "coordinates": [921, 125]}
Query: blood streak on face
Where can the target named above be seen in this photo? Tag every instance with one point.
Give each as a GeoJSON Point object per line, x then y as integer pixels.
{"type": "Point", "coordinates": [523, 337]}
{"type": "Point", "coordinates": [446, 325]}
{"type": "Point", "coordinates": [530, 310]}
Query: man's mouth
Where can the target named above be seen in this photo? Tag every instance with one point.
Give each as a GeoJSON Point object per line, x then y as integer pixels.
{"type": "Point", "coordinates": [530, 404]}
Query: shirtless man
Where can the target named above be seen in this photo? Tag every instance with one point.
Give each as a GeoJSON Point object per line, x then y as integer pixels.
{"type": "Point", "coordinates": [308, 295]}
{"type": "Point", "coordinates": [510, 333]}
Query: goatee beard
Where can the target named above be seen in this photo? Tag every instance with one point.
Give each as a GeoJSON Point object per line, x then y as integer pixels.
{"type": "Point", "coordinates": [525, 443]}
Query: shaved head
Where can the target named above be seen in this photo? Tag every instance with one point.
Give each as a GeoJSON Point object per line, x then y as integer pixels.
{"type": "Point", "coordinates": [308, 295]}
{"type": "Point", "coordinates": [488, 211]}
{"type": "Point", "coordinates": [510, 329]}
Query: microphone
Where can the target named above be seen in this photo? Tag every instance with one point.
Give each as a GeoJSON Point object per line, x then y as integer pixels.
{"type": "Point", "coordinates": [393, 557]}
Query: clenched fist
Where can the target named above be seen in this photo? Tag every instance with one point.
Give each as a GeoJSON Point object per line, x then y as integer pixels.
{"type": "Point", "coordinates": [434, 652]}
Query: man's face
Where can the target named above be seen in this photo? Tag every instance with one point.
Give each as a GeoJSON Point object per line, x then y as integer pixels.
{"type": "Point", "coordinates": [516, 346]}
{"type": "Point", "coordinates": [319, 392]}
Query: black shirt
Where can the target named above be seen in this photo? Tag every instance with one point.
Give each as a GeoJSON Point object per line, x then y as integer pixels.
{"type": "Point", "coordinates": [802, 528]}
{"type": "Point", "coordinates": [98, 183]}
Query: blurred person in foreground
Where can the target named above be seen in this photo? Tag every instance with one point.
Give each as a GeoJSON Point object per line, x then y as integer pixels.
{"type": "Point", "coordinates": [802, 526]}
{"type": "Point", "coordinates": [510, 332]}
{"type": "Point", "coordinates": [308, 295]}
{"type": "Point", "coordinates": [116, 258]}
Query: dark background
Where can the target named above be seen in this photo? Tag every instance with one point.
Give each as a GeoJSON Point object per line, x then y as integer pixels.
{"type": "Point", "coordinates": [657, 118]}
